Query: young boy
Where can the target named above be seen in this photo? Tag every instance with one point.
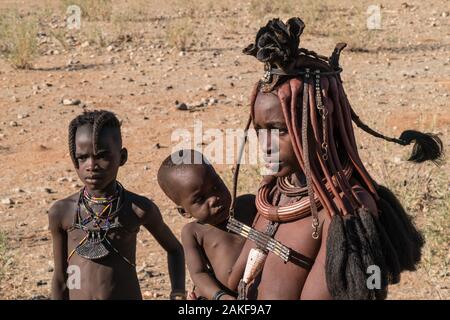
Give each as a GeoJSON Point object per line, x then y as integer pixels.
{"type": "Point", "coordinates": [94, 231]}
{"type": "Point", "coordinates": [199, 192]}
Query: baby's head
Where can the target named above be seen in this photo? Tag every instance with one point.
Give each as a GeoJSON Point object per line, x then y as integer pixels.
{"type": "Point", "coordinates": [191, 182]}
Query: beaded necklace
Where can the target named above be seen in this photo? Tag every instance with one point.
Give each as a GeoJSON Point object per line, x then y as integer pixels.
{"type": "Point", "coordinates": [95, 244]}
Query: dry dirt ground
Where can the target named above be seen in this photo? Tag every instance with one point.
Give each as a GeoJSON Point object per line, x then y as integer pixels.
{"type": "Point", "coordinates": [396, 78]}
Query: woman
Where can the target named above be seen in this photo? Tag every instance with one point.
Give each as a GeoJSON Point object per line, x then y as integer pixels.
{"type": "Point", "coordinates": [323, 223]}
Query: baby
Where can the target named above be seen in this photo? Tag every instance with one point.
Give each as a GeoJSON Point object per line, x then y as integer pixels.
{"type": "Point", "coordinates": [191, 182]}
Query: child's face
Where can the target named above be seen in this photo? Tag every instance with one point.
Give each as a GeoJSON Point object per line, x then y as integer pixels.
{"type": "Point", "coordinates": [98, 171]}
{"type": "Point", "coordinates": [202, 194]}
{"type": "Point", "coordinates": [269, 116]}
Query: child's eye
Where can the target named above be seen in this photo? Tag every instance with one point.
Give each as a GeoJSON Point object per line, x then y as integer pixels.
{"type": "Point", "coordinates": [199, 200]}
{"type": "Point", "coordinates": [82, 158]}
{"type": "Point", "coordinates": [102, 155]}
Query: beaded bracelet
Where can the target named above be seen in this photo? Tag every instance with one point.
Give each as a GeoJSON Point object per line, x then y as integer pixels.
{"type": "Point", "coordinates": [219, 294]}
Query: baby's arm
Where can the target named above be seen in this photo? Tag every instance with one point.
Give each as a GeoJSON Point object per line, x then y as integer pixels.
{"type": "Point", "coordinates": [206, 284]}
{"type": "Point", "coordinates": [155, 224]}
{"type": "Point", "coordinates": [59, 237]}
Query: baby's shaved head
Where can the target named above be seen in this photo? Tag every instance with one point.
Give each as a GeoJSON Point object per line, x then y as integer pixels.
{"type": "Point", "coordinates": [176, 166]}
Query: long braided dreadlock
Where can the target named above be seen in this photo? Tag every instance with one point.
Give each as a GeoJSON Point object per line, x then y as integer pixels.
{"type": "Point", "coordinates": [319, 120]}
{"type": "Point", "coordinates": [99, 119]}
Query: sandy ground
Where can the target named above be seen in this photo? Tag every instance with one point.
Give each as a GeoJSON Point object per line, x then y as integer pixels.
{"type": "Point", "coordinates": [401, 82]}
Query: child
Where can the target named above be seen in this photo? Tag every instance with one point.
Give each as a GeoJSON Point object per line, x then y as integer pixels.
{"type": "Point", "coordinates": [94, 230]}
{"type": "Point", "coordinates": [199, 192]}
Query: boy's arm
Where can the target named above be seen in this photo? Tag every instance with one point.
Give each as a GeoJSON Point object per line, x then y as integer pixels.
{"type": "Point", "coordinates": [206, 284]}
{"type": "Point", "coordinates": [155, 224]}
{"type": "Point", "coordinates": [59, 237]}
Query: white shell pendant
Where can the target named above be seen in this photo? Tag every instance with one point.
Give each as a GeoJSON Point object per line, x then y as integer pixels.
{"type": "Point", "coordinates": [255, 263]}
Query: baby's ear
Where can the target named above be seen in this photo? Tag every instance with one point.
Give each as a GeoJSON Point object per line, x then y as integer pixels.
{"type": "Point", "coordinates": [123, 156]}
{"type": "Point", "coordinates": [184, 213]}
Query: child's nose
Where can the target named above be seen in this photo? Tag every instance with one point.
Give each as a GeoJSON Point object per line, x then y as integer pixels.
{"type": "Point", "coordinates": [91, 164]}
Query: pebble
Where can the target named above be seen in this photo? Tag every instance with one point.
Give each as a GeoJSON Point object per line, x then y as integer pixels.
{"type": "Point", "coordinates": [182, 106]}
{"type": "Point", "coordinates": [22, 115]}
{"type": "Point", "coordinates": [210, 87]}
{"type": "Point", "coordinates": [7, 201]}
{"type": "Point", "coordinates": [13, 124]}
{"type": "Point", "coordinates": [71, 102]}
{"type": "Point", "coordinates": [48, 190]}
{"type": "Point", "coordinates": [41, 283]}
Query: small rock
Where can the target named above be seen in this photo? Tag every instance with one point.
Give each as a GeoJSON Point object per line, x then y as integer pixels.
{"type": "Point", "coordinates": [397, 160]}
{"type": "Point", "coordinates": [48, 190]}
{"type": "Point", "coordinates": [72, 62]}
{"type": "Point", "coordinates": [7, 201]}
{"type": "Point", "coordinates": [63, 179]}
{"type": "Point", "coordinates": [182, 106]}
{"type": "Point", "coordinates": [110, 48]}
{"type": "Point", "coordinates": [157, 145]}
{"type": "Point", "coordinates": [146, 168]}
{"type": "Point", "coordinates": [22, 115]}
{"type": "Point", "coordinates": [15, 99]}
{"type": "Point", "coordinates": [71, 102]}
{"type": "Point", "coordinates": [209, 87]}
{"type": "Point", "coordinates": [212, 101]}
{"type": "Point", "coordinates": [444, 14]}
{"type": "Point", "coordinates": [50, 269]}
{"type": "Point", "coordinates": [170, 87]}
{"type": "Point", "coordinates": [182, 53]}
{"type": "Point", "coordinates": [85, 44]}
{"type": "Point", "coordinates": [13, 124]}
{"type": "Point", "coordinates": [41, 283]}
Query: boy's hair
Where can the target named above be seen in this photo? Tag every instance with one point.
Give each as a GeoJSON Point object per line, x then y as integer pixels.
{"type": "Point", "coordinates": [99, 119]}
